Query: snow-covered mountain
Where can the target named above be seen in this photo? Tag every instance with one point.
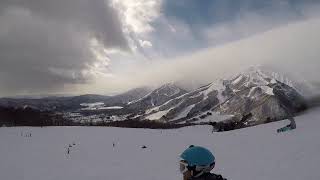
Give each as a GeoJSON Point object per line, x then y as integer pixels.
{"type": "Point", "coordinates": [257, 94]}
{"type": "Point", "coordinates": [252, 92]}
{"type": "Point", "coordinates": [132, 94]}
{"type": "Point", "coordinates": [156, 97]}
{"type": "Point", "coordinates": [186, 105]}
{"type": "Point", "coordinates": [267, 99]}
{"type": "Point", "coordinates": [291, 79]}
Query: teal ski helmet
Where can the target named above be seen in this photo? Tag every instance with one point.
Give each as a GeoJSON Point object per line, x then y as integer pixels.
{"type": "Point", "coordinates": [198, 156]}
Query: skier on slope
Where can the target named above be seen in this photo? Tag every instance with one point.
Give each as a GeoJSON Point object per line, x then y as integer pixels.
{"type": "Point", "coordinates": [196, 163]}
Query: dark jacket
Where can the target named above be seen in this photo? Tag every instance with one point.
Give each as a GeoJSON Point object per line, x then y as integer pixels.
{"type": "Point", "coordinates": [209, 176]}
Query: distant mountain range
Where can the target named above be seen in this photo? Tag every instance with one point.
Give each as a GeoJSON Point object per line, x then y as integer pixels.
{"type": "Point", "coordinates": [252, 92]}
{"type": "Point", "coordinates": [72, 103]}
{"type": "Point", "coordinates": [252, 97]}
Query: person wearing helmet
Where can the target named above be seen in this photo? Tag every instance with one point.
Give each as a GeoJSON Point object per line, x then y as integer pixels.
{"type": "Point", "coordinates": [196, 163]}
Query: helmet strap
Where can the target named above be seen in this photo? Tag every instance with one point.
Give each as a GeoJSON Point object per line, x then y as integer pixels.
{"type": "Point", "coordinates": [195, 173]}
{"type": "Point", "coordinates": [199, 174]}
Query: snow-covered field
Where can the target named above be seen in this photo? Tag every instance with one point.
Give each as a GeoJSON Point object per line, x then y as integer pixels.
{"type": "Point", "coordinates": [256, 153]}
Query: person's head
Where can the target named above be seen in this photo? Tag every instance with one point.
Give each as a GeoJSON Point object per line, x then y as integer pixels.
{"type": "Point", "coordinates": [195, 161]}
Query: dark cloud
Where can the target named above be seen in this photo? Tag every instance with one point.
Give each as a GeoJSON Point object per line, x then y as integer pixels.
{"type": "Point", "coordinates": [95, 15]}
{"type": "Point", "coordinates": [45, 44]}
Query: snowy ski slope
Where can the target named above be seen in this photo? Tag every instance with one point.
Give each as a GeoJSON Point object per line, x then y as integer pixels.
{"type": "Point", "coordinates": [256, 153]}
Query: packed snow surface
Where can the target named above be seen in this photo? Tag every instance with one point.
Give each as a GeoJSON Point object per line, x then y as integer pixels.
{"type": "Point", "coordinates": [112, 107]}
{"type": "Point", "coordinates": [216, 116]}
{"type": "Point", "coordinates": [157, 115]}
{"type": "Point", "coordinates": [185, 112]}
{"type": "Point", "coordinates": [101, 153]}
{"type": "Point", "coordinates": [97, 105]}
{"type": "Point", "coordinates": [92, 104]}
{"type": "Point", "coordinates": [267, 90]}
{"type": "Point", "coordinates": [236, 81]}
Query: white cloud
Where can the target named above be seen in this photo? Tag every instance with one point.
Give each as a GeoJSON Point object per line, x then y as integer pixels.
{"type": "Point", "coordinates": [137, 15]}
{"type": "Point", "coordinates": [291, 48]}
{"type": "Point", "coordinates": [145, 44]}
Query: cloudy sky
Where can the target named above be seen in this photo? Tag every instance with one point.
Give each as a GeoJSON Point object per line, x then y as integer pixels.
{"type": "Point", "coordinates": [109, 46]}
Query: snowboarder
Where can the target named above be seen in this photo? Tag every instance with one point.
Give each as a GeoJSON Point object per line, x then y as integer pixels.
{"type": "Point", "coordinates": [292, 123]}
{"type": "Point", "coordinates": [290, 126]}
{"type": "Point", "coordinates": [196, 164]}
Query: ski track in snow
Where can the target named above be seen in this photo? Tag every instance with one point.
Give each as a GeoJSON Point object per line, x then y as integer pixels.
{"type": "Point", "coordinates": [256, 153]}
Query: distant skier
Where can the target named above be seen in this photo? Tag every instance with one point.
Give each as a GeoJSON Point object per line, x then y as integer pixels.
{"type": "Point", "coordinates": [196, 164]}
{"type": "Point", "coordinates": [214, 125]}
